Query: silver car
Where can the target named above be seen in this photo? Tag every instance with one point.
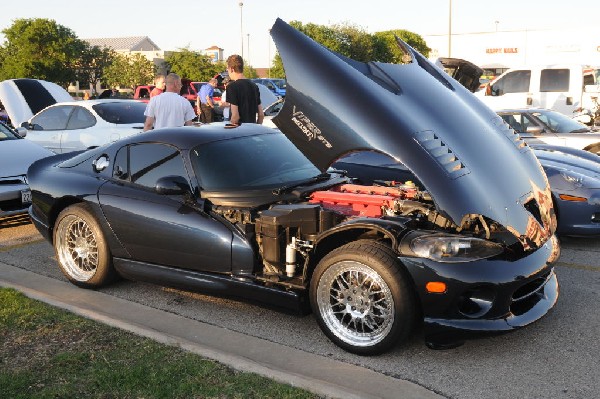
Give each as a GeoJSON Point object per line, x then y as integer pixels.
{"type": "Point", "coordinates": [544, 126]}
{"type": "Point", "coordinates": [16, 154]}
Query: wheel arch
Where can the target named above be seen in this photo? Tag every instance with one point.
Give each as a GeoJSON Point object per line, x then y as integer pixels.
{"type": "Point", "coordinates": [385, 233]}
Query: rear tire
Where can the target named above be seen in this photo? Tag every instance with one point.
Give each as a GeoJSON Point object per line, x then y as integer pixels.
{"type": "Point", "coordinates": [362, 298]}
{"type": "Point", "coordinates": [81, 250]}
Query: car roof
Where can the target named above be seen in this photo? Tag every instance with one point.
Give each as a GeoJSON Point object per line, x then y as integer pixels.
{"type": "Point", "coordinates": [187, 137]}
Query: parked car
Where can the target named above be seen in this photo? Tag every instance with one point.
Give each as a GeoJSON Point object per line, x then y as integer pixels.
{"type": "Point", "coordinates": [277, 86]}
{"type": "Point", "coordinates": [16, 155]}
{"type": "Point", "coordinates": [23, 98]}
{"type": "Point", "coordinates": [574, 177]}
{"type": "Point", "coordinates": [563, 88]}
{"type": "Point", "coordinates": [544, 126]}
{"type": "Point", "coordinates": [80, 125]}
{"type": "Point", "coordinates": [250, 212]}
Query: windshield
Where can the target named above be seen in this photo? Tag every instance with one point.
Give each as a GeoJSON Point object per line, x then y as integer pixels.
{"type": "Point", "coordinates": [6, 133]}
{"type": "Point", "coordinates": [121, 112]}
{"type": "Point", "coordinates": [560, 123]}
{"type": "Point", "coordinates": [279, 83]}
{"type": "Point", "coordinates": [248, 163]}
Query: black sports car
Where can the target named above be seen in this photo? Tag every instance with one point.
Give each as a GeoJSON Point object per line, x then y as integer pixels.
{"type": "Point", "coordinates": [254, 213]}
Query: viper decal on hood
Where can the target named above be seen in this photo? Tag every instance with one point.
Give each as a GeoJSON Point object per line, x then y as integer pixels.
{"type": "Point", "coordinates": [24, 98]}
{"type": "Point", "coordinates": [462, 152]}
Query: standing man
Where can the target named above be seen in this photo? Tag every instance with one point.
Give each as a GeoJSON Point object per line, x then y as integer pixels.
{"type": "Point", "coordinates": [169, 109]}
{"type": "Point", "coordinates": [159, 86]}
{"type": "Point", "coordinates": [205, 103]}
{"type": "Point", "coordinates": [242, 94]}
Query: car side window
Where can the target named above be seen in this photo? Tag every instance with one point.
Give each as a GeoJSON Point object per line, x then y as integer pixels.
{"type": "Point", "coordinates": [81, 118]}
{"type": "Point", "coordinates": [554, 80]}
{"type": "Point", "coordinates": [121, 167]}
{"type": "Point", "coordinates": [150, 162]}
{"type": "Point", "coordinates": [512, 82]}
{"type": "Point", "coordinates": [54, 118]}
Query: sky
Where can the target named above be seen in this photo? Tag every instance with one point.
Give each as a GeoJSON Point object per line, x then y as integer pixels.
{"type": "Point", "coordinates": [200, 24]}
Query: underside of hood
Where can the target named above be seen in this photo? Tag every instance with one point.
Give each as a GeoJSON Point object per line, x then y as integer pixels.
{"type": "Point", "coordinates": [24, 98]}
{"type": "Point", "coordinates": [462, 152]}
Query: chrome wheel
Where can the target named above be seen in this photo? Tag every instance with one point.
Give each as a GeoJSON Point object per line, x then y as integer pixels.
{"type": "Point", "coordinates": [77, 248]}
{"type": "Point", "coordinates": [355, 303]}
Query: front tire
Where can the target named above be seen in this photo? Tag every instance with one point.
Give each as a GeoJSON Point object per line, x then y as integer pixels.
{"type": "Point", "coordinates": [362, 299]}
{"type": "Point", "coordinates": [82, 252]}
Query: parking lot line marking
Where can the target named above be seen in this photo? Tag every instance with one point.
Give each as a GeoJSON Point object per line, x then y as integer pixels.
{"type": "Point", "coordinates": [578, 266]}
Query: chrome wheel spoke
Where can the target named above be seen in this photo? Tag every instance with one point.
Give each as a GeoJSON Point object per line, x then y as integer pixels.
{"type": "Point", "coordinates": [355, 302]}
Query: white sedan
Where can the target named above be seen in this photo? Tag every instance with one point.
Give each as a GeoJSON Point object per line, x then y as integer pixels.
{"type": "Point", "coordinates": [80, 125]}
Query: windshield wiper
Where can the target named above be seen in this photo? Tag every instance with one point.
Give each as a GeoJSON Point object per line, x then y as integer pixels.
{"type": "Point", "coordinates": [314, 179]}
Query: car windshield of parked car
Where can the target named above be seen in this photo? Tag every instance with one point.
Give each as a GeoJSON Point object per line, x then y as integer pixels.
{"type": "Point", "coordinates": [121, 112]}
{"type": "Point", "coordinates": [248, 163]}
{"type": "Point", "coordinates": [560, 123]}
{"type": "Point", "coordinates": [6, 133]}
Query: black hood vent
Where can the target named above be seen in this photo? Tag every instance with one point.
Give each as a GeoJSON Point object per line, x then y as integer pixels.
{"type": "Point", "coordinates": [441, 153]}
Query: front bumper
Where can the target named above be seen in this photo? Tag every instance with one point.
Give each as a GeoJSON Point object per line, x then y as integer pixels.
{"type": "Point", "coordinates": [484, 297]}
{"type": "Point", "coordinates": [11, 200]}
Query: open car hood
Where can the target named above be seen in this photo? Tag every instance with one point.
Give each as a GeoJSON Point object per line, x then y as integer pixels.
{"type": "Point", "coordinates": [24, 98]}
{"type": "Point", "coordinates": [463, 71]}
{"type": "Point", "coordinates": [462, 152]}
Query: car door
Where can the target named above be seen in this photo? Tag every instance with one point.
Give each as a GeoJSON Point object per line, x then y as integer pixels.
{"type": "Point", "coordinates": [511, 90]}
{"type": "Point", "coordinates": [47, 127]}
{"type": "Point", "coordinates": [79, 133]}
{"type": "Point", "coordinates": [161, 229]}
{"type": "Point", "coordinates": [555, 90]}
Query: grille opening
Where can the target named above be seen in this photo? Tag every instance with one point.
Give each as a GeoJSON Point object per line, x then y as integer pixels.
{"type": "Point", "coordinates": [528, 295]}
{"type": "Point", "coordinates": [11, 205]}
{"type": "Point", "coordinates": [476, 302]}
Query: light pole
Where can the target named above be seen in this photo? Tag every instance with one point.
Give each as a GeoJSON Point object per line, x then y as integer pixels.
{"type": "Point", "coordinates": [241, 29]}
{"type": "Point", "coordinates": [269, 45]}
{"type": "Point", "coordinates": [450, 30]}
{"type": "Point", "coordinates": [248, 35]}
{"type": "Point", "coordinates": [496, 22]}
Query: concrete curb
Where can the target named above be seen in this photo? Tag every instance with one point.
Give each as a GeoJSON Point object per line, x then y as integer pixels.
{"type": "Point", "coordinates": [317, 374]}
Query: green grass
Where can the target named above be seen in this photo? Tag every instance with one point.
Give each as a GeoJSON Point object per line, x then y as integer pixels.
{"type": "Point", "coordinates": [46, 352]}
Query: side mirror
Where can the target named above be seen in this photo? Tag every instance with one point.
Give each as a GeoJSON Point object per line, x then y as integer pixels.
{"type": "Point", "coordinates": [21, 131]}
{"type": "Point", "coordinates": [172, 185]}
{"type": "Point", "coordinates": [535, 130]}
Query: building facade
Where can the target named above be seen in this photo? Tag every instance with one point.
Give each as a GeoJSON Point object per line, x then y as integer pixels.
{"type": "Point", "coordinates": [520, 47]}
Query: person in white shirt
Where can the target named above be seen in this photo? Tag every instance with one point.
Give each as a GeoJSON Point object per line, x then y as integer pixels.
{"type": "Point", "coordinates": [169, 109]}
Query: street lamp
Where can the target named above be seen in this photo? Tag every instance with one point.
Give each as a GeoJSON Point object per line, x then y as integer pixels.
{"type": "Point", "coordinates": [241, 29]}
{"type": "Point", "coordinates": [248, 35]}
{"type": "Point", "coordinates": [450, 30]}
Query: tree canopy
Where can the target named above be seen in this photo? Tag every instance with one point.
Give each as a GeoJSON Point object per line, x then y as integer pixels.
{"type": "Point", "coordinates": [129, 71]}
{"type": "Point", "coordinates": [193, 65]}
{"type": "Point", "coordinates": [41, 49]}
{"type": "Point", "coordinates": [354, 42]}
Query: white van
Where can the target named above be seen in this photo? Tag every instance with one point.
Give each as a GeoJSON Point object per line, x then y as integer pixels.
{"type": "Point", "coordinates": [562, 88]}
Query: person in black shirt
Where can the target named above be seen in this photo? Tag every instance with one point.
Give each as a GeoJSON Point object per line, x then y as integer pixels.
{"type": "Point", "coordinates": [242, 94]}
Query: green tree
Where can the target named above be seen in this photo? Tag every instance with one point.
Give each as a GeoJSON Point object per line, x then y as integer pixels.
{"type": "Point", "coordinates": [129, 71]}
{"type": "Point", "coordinates": [92, 65]}
{"type": "Point", "coordinates": [354, 42]}
{"type": "Point", "coordinates": [193, 65]}
{"type": "Point", "coordinates": [388, 45]}
{"type": "Point", "coordinates": [41, 49]}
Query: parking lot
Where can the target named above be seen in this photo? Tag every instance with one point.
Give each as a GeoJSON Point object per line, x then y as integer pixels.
{"type": "Point", "coordinates": [554, 358]}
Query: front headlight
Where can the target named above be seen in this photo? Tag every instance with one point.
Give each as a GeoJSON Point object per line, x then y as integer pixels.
{"type": "Point", "coordinates": [453, 249]}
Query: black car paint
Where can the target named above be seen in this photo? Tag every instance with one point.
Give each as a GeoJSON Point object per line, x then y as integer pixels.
{"type": "Point", "coordinates": [140, 223]}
